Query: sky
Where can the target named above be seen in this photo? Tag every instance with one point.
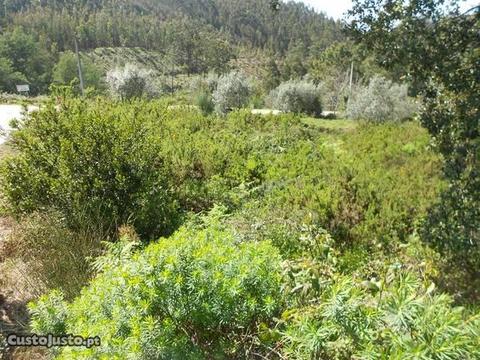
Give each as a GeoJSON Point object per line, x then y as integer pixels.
{"type": "Point", "coordinates": [333, 8]}
{"type": "Point", "coordinates": [336, 8]}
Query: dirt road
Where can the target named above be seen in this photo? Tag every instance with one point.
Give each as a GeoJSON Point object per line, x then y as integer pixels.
{"type": "Point", "coordinates": [8, 113]}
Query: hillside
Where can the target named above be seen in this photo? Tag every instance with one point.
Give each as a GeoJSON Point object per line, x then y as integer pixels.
{"type": "Point", "coordinates": [194, 37]}
{"type": "Point", "coordinates": [151, 23]}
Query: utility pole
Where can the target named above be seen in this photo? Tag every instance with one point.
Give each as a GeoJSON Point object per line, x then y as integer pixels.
{"type": "Point", "coordinates": [79, 65]}
{"type": "Point", "coordinates": [351, 79]}
{"type": "Point", "coordinates": [172, 76]}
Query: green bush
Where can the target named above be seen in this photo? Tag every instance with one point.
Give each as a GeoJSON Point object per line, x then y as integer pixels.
{"type": "Point", "coordinates": [372, 186]}
{"type": "Point", "coordinates": [199, 294]}
{"type": "Point", "coordinates": [395, 318]}
{"type": "Point", "coordinates": [96, 162]}
{"type": "Point", "coordinates": [297, 96]}
{"type": "Point", "coordinates": [381, 101]}
{"type": "Point", "coordinates": [232, 92]}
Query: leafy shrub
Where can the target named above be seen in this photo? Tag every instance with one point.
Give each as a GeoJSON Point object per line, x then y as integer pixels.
{"type": "Point", "coordinates": [381, 101]}
{"type": "Point", "coordinates": [98, 163]}
{"type": "Point", "coordinates": [297, 96]}
{"type": "Point", "coordinates": [369, 187]}
{"type": "Point", "coordinates": [452, 227]}
{"type": "Point", "coordinates": [198, 294]}
{"type": "Point", "coordinates": [232, 92]}
{"type": "Point", "coordinates": [394, 318]}
{"type": "Point", "coordinates": [130, 82]}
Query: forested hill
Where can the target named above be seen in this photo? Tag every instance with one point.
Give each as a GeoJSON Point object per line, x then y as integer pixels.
{"type": "Point", "coordinates": [171, 24]}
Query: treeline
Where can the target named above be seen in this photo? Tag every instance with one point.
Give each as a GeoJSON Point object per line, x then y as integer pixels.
{"type": "Point", "coordinates": [196, 36]}
{"type": "Point", "coordinates": [143, 23]}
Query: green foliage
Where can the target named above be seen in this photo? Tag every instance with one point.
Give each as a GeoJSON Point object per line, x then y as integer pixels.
{"type": "Point", "coordinates": [51, 312]}
{"type": "Point", "coordinates": [9, 77]}
{"type": "Point", "coordinates": [430, 32]}
{"type": "Point", "coordinates": [297, 97]}
{"type": "Point", "coordinates": [369, 187]}
{"type": "Point", "coordinates": [232, 92]}
{"type": "Point", "coordinates": [381, 101]}
{"type": "Point", "coordinates": [271, 75]}
{"type": "Point", "coordinates": [66, 71]}
{"type": "Point", "coordinates": [199, 294]}
{"type": "Point", "coordinates": [339, 203]}
{"type": "Point", "coordinates": [191, 27]}
{"type": "Point", "coordinates": [294, 65]}
{"type": "Point", "coordinates": [188, 37]}
{"type": "Point", "coordinates": [97, 162]}
{"type": "Point", "coordinates": [205, 103]}
{"type": "Point", "coordinates": [23, 58]}
{"type": "Point", "coordinates": [395, 318]}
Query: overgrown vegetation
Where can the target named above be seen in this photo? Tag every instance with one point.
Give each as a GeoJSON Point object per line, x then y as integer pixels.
{"type": "Point", "coordinates": [98, 163]}
{"type": "Point", "coordinates": [322, 201]}
{"type": "Point", "coordinates": [170, 219]}
{"type": "Point", "coordinates": [201, 294]}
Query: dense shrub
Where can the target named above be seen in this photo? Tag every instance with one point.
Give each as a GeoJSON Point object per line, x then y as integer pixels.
{"type": "Point", "coordinates": [381, 101]}
{"type": "Point", "coordinates": [98, 163]}
{"type": "Point", "coordinates": [368, 187]}
{"type": "Point", "coordinates": [297, 96]}
{"type": "Point", "coordinates": [452, 228]}
{"type": "Point", "coordinates": [130, 82]}
{"type": "Point", "coordinates": [221, 160]}
{"type": "Point", "coordinates": [394, 318]}
{"type": "Point", "coordinates": [233, 92]}
{"type": "Point", "coordinates": [198, 294]}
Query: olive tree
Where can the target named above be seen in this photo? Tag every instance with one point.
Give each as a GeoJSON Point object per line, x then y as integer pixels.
{"type": "Point", "coordinates": [130, 82]}
{"type": "Point", "coordinates": [233, 91]}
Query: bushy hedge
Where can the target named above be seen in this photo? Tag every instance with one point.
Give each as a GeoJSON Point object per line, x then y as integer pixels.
{"type": "Point", "coordinates": [381, 101]}
{"type": "Point", "coordinates": [196, 295]}
{"type": "Point", "coordinates": [297, 96]}
{"type": "Point", "coordinates": [98, 163]}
